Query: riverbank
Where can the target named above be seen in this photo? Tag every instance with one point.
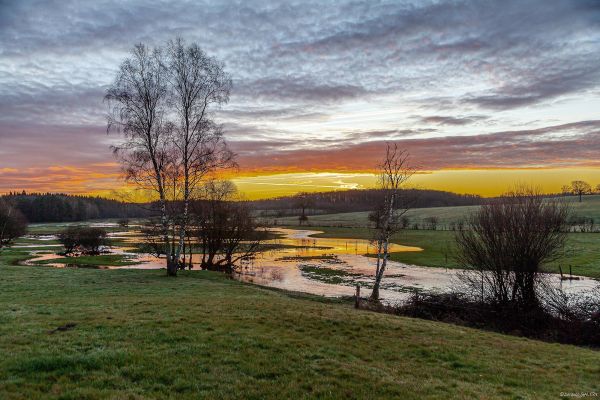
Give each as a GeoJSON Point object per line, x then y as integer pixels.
{"type": "Point", "coordinates": [119, 333]}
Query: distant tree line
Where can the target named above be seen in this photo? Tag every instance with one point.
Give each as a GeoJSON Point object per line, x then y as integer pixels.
{"type": "Point", "coordinates": [361, 200]}
{"type": "Point", "coordinates": [50, 207]}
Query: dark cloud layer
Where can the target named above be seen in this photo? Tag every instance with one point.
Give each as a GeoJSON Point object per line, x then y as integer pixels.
{"type": "Point", "coordinates": [313, 76]}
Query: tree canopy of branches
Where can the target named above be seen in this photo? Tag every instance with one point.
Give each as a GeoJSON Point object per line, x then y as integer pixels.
{"type": "Point", "coordinates": [509, 241]}
{"type": "Point", "coordinates": [12, 223]}
{"type": "Point", "coordinates": [394, 172]}
{"type": "Point", "coordinates": [362, 200]}
{"type": "Point", "coordinates": [162, 101]}
{"type": "Point", "coordinates": [225, 229]}
{"type": "Point", "coordinates": [579, 188]}
{"type": "Point", "coordinates": [197, 83]}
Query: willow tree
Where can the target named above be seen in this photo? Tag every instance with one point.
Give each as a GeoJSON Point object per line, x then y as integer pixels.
{"type": "Point", "coordinates": [394, 172]}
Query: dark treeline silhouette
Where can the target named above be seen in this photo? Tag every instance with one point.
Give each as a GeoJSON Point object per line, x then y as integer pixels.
{"type": "Point", "coordinates": [363, 200]}
{"type": "Point", "coordinates": [55, 207]}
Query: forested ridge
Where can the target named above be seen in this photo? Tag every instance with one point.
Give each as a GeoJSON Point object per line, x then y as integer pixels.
{"type": "Point", "coordinates": [58, 207]}
{"type": "Point", "coordinates": [365, 199]}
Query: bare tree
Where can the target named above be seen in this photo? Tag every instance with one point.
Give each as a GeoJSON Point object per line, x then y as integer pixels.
{"type": "Point", "coordinates": [508, 243]}
{"type": "Point", "coordinates": [84, 239]}
{"type": "Point", "coordinates": [138, 107]}
{"type": "Point", "coordinates": [579, 188]}
{"type": "Point", "coordinates": [162, 101]}
{"type": "Point", "coordinates": [198, 83]}
{"type": "Point", "coordinates": [303, 201]}
{"type": "Point", "coordinates": [394, 172]}
{"type": "Point", "coordinates": [225, 228]}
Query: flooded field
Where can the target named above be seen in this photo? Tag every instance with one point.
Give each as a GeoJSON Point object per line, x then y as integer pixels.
{"type": "Point", "coordinates": [299, 262]}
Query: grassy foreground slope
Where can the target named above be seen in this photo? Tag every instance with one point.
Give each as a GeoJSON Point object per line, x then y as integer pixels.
{"type": "Point", "coordinates": [138, 334]}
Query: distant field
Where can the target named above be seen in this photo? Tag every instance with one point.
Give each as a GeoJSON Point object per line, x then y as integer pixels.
{"type": "Point", "coordinates": [589, 207]}
{"type": "Point", "coordinates": [445, 215]}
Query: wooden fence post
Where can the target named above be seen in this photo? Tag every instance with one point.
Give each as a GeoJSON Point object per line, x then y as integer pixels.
{"type": "Point", "coordinates": [357, 298]}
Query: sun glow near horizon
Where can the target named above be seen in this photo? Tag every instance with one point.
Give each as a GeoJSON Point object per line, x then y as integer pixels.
{"type": "Point", "coordinates": [483, 182]}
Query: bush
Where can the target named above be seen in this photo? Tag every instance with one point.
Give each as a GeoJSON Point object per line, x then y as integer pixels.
{"type": "Point", "coordinates": [88, 240]}
{"type": "Point", "coordinates": [508, 243]}
{"type": "Point", "coordinates": [563, 318]}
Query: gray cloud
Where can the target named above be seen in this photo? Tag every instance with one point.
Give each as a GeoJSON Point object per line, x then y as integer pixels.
{"type": "Point", "coordinates": [299, 89]}
{"type": "Point", "coordinates": [448, 120]}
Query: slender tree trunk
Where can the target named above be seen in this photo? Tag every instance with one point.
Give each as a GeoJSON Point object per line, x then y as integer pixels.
{"type": "Point", "coordinates": [183, 226]}
{"type": "Point", "coordinates": [171, 266]}
{"type": "Point", "coordinates": [380, 270]}
{"type": "Point", "coordinates": [379, 242]}
{"type": "Point", "coordinates": [386, 242]}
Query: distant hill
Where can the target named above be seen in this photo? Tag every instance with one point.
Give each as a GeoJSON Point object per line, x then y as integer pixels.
{"type": "Point", "coordinates": [53, 207]}
{"type": "Point", "coordinates": [360, 200]}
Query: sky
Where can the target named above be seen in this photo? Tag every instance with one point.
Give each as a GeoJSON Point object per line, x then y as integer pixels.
{"type": "Point", "coordinates": [482, 94]}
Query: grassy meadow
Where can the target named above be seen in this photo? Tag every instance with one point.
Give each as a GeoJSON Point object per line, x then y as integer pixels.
{"type": "Point", "coordinates": [88, 333]}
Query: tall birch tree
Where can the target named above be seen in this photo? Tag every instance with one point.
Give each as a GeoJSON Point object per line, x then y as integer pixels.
{"type": "Point", "coordinates": [394, 172]}
{"type": "Point", "coordinates": [197, 85]}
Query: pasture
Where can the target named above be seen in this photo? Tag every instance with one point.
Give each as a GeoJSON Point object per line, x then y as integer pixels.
{"type": "Point", "coordinates": [88, 333]}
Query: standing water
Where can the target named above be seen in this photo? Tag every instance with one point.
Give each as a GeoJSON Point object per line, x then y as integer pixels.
{"type": "Point", "coordinates": [304, 263]}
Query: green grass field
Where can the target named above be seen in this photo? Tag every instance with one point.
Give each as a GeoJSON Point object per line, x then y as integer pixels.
{"type": "Point", "coordinates": [137, 334]}
{"type": "Point", "coordinates": [100, 260]}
